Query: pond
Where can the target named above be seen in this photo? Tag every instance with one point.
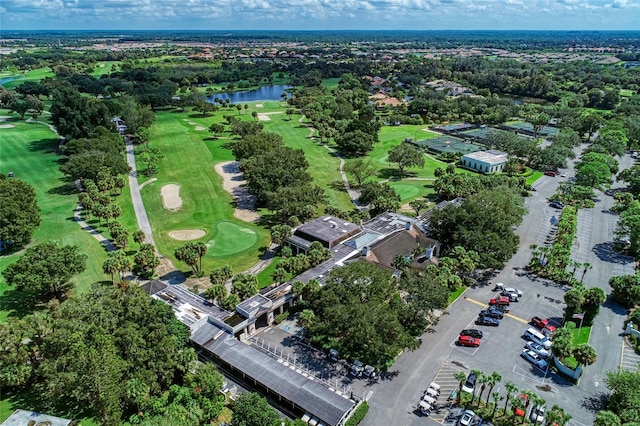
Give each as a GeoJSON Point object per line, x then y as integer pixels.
{"type": "Point", "coordinates": [264, 93]}
{"type": "Point", "coordinates": [5, 80]}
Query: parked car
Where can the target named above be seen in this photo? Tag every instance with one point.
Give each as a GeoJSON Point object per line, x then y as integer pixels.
{"type": "Point", "coordinates": [425, 408]}
{"type": "Point", "coordinates": [512, 290]}
{"type": "Point", "coordinates": [538, 348]}
{"type": "Point", "coordinates": [537, 337]}
{"type": "Point", "coordinates": [513, 297]}
{"type": "Point", "coordinates": [334, 354]}
{"type": "Point", "coordinates": [543, 324]}
{"type": "Point", "coordinates": [470, 383]}
{"type": "Point", "coordinates": [473, 332]}
{"type": "Point", "coordinates": [468, 341]}
{"type": "Point", "coordinates": [435, 386]}
{"type": "Point", "coordinates": [492, 322]}
{"type": "Point", "coordinates": [369, 371]}
{"type": "Point", "coordinates": [467, 418]}
{"type": "Point", "coordinates": [492, 313]}
{"type": "Point", "coordinates": [563, 175]}
{"type": "Point", "coordinates": [537, 415]}
{"type": "Point", "coordinates": [550, 173]}
{"type": "Point", "coordinates": [520, 411]}
{"type": "Point", "coordinates": [556, 205]}
{"type": "Point", "coordinates": [357, 368]}
{"type": "Point", "coordinates": [534, 359]}
{"type": "Point", "coordinates": [432, 393]}
{"type": "Point", "coordinates": [500, 300]}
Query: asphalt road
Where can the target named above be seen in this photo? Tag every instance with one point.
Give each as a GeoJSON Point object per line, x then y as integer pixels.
{"type": "Point", "coordinates": [394, 401]}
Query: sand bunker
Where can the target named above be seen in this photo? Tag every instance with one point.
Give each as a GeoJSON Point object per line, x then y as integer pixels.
{"type": "Point", "coordinates": [187, 234]}
{"type": "Point", "coordinates": [171, 197]}
{"type": "Point", "coordinates": [200, 128]}
{"type": "Point", "coordinates": [264, 116]}
{"type": "Point", "coordinates": [5, 117]}
{"type": "Point", "coordinates": [259, 105]}
{"type": "Point", "coordinates": [6, 126]}
{"type": "Point", "coordinates": [193, 123]}
{"type": "Point", "coordinates": [233, 182]}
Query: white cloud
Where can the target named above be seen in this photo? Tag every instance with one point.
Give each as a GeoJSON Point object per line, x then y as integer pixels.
{"type": "Point", "coordinates": [317, 14]}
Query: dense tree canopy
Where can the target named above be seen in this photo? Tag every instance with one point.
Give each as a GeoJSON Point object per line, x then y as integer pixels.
{"type": "Point", "coordinates": [74, 115]}
{"type": "Point", "coordinates": [19, 212]}
{"type": "Point", "coordinates": [624, 400]}
{"type": "Point", "coordinates": [482, 223]}
{"type": "Point", "coordinates": [44, 270]}
{"type": "Point", "coordinates": [406, 155]}
{"type": "Point", "coordinates": [250, 409]}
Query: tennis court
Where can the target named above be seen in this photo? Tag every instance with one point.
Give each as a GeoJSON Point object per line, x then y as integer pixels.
{"type": "Point", "coordinates": [447, 144]}
{"type": "Point", "coordinates": [527, 129]}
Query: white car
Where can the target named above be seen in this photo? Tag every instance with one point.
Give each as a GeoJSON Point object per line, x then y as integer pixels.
{"type": "Point", "coordinates": [538, 348]}
{"type": "Point", "coordinates": [537, 415]}
{"type": "Point", "coordinates": [534, 359]}
{"type": "Point", "coordinates": [467, 418]}
{"type": "Point", "coordinates": [513, 290]}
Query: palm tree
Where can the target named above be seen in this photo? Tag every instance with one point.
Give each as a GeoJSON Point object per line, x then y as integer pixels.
{"type": "Point", "coordinates": [530, 396]}
{"type": "Point", "coordinates": [561, 346]}
{"type": "Point", "coordinates": [493, 380]}
{"type": "Point", "coordinates": [298, 288]}
{"type": "Point", "coordinates": [280, 275]}
{"type": "Point", "coordinates": [585, 354]}
{"type": "Point", "coordinates": [216, 292]}
{"type": "Point", "coordinates": [307, 317]}
{"type": "Point", "coordinates": [557, 416]}
{"type": "Point", "coordinates": [138, 236]}
{"type": "Point", "coordinates": [478, 374]}
{"type": "Point", "coordinates": [110, 266]}
{"type": "Point", "coordinates": [511, 389]}
{"type": "Point", "coordinates": [516, 404]}
{"type": "Point", "coordinates": [586, 266]}
{"type": "Point", "coordinates": [483, 379]}
{"type": "Point", "coordinates": [460, 377]}
{"type": "Point", "coordinates": [495, 397]}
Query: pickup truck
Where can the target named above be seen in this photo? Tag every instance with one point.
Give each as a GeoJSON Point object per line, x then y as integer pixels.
{"type": "Point", "coordinates": [543, 324]}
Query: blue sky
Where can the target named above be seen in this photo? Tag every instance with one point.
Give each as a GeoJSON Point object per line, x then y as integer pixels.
{"type": "Point", "coordinates": [319, 14]}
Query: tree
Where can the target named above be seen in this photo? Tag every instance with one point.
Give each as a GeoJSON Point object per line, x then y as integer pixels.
{"type": "Point", "coordinates": [230, 302]}
{"type": "Point", "coordinates": [361, 169]}
{"type": "Point", "coordinates": [44, 270]}
{"type": "Point", "coordinates": [22, 348]}
{"type": "Point", "coordinates": [35, 105]}
{"type": "Point", "coordinates": [307, 317]}
{"type": "Point", "coordinates": [460, 376]}
{"type": "Point", "coordinates": [483, 379]}
{"type": "Point", "coordinates": [19, 213]}
{"type": "Point", "coordinates": [74, 115]}
{"type": "Point", "coordinates": [254, 114]}
{"type": "Point", "coordinates": [280, 233]}
{"type": "Point", "coordinates": [250, 409]}
{"type": "Point", "coordinates": [192, 254]}
{"type": "Point", "coordinates": [111, 265]}
{"type": "Point", "coordinates": [145, 261]}
{"type": "Point", "coordinates": [607, 418]}
{"type": "Point", "coordinates": [151, 157]}
{"type": "Point", "coordinates": [217, 292]}
{"type": "Point", "coordinates": [624, 397]}
{"type": "Point", "coordinates": [216, 129]}
{"type": "Point", "coordinates": [626, 289]}
{"type": "Point", "coordinates": [290, 112]}
{"type": "Point", "coordinates": [381, 196]}
{"type": "Point", "coordinates": [244, 285]}
{"type": "Point", "coordinates": [357, 142]}
{"type": "Point", "coordinates": [511, 390]}
{"type": "Point", "coordinates": [221, 275]}
{"type": "Point", "coordinates": [494, 379]}
{"type": "Point", "coordinates": [558, 416]}
{"type": "Point", "coordinates": [632, 177]}
{"type": "Point", "coordinates": [496, 398]}
{"type": "Point", "coordinates": [585, 354]}
{"type": "Point", "coordinates": [406, 155]}
{"type": "Point", "coordinates": [139, 237]}
{"type": "Point", "coordinates": [419, 205]}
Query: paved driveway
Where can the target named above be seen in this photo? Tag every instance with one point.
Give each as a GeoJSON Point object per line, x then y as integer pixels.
{"type": "Point", "coordinates": [393, 402]}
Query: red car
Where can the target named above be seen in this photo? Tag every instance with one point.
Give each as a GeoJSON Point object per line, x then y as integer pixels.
{"type": "Point", "coordinates": [468, 341]}
{"type": "Point", "coordinates": [502, 300]}
{"type": "Point", "coordinates": [550, 173]}
{"type": "Point", "coordinates": [543, 324]}
{"type": "Point", "coordinates": [520, 411]}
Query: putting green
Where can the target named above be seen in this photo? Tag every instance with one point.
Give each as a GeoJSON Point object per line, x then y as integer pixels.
{"type": "Point", "coordinates": [406, 191]}
{"type": "Point", "coordinates": [230, 238]}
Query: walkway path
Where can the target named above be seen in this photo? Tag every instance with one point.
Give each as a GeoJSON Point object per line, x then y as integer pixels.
{"type": "Point", "coordinates": [166, 270]}
{"type": "Point", "coordinates": [98, 236]}
{"type": "Point", "coordinates": [353, 194]}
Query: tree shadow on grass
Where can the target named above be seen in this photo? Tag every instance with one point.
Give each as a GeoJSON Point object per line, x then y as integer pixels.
{"type": "Point", "coordinates": [337, 185]}
{"type": "Point", "coordinates": [34, 399]}
{"type": "Point", "coordinates": [393, 173]}
{"type": "Point", "coordinates": [64, 189]}
{"type": "Point", "coordinates": [45, 146]}
{"type": "Point", "coordinates": [19, 303]}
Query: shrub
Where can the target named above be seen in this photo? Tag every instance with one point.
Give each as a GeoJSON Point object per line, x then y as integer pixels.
{"type": "Point", "coordinates": [358, 415]}
{"type": "Point", "coordinates": [281, 317]}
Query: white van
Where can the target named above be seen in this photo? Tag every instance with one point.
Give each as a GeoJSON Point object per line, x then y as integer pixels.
{"type": "Point", "coordinates": [537, 337]}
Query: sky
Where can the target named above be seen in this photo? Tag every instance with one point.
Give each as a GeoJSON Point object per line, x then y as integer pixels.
{"type": "Point", "coordinates": [319, 14]}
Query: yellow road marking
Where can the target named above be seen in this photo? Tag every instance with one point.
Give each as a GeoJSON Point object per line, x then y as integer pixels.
{"type": "Point", "coordinates": [524, 321]}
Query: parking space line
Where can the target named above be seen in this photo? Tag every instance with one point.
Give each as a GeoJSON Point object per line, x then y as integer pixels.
{"type": "Point", "coordinates": [506, 314]}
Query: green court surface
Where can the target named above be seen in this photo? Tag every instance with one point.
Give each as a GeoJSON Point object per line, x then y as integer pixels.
{"type": "Point", "coordinates": [229, 239]}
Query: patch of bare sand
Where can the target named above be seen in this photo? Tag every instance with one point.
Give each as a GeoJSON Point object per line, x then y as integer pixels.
{"type": "Point", "coordinates": [6, 126]}
{"type": "Point", "coordinates": [200, 128]}
{"type": "Point", "coordinates": [264, 116]}
{"type": "Point", "coordinates": [171, 197]}
{"type": "Point", "coordinates": [233, 182]}
{"type": "Point", "coordinates": [259, 105]}
{"type": "Point", "coordinates": [187, 234]}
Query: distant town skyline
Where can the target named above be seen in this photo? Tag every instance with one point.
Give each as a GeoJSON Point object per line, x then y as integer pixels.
{"type": "Point", "coordinates": [319, 15]}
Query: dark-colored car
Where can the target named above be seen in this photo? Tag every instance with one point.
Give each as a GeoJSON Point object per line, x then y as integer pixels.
{"type": "Point", "coordinates": [556, 205]}
{"type": "Point", "coordinates": [492, 322]}
{"type": "Point", "coordinates": [492, 313]}
{"type": "Point", "coordinates": [472, 332]}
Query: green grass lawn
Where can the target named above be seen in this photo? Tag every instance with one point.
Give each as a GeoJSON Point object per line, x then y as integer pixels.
{"type": "Point", "coordinates": [189, 159]}
{"type": "Point", "coordinates": [581, 335]}
{"type": "Point", "coordinates": [324, 167]}
{"type": "Point", "coordinates": [104, 68]}
{"type": "Point", "coordinates": [330, 83]}
{"type": "Point", "coordinates": [627, 93]}
{"type": "Point", "coordinates": [453, 296]}
{"type": "Point", "coordinates": [28, 150]}
{"type": "Point", "coordinates": [265, 278]}
{"type": "Point", "coordinates": [33, 75]}
{"type": "Point", "coordinates": [534, 177]}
